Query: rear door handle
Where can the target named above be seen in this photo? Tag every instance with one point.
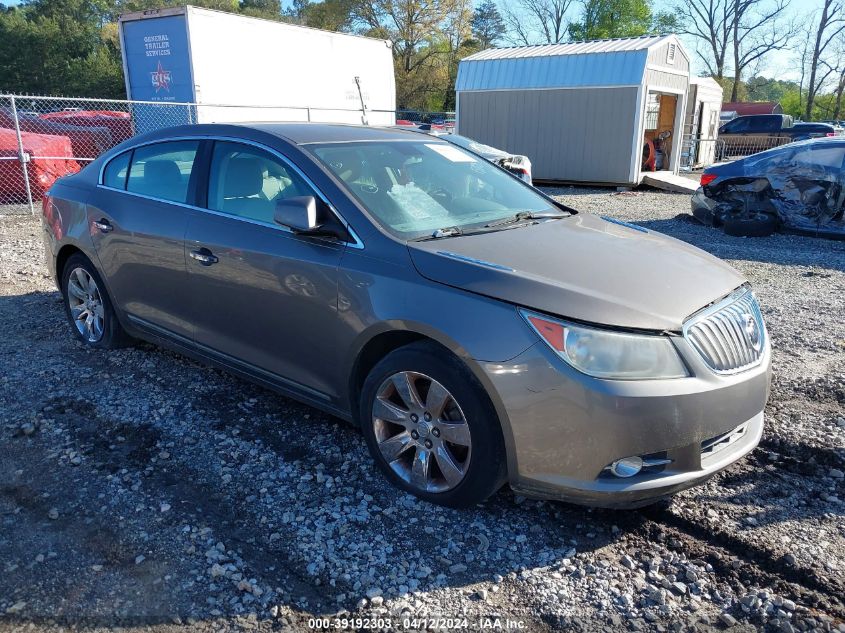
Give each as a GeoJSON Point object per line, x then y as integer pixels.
{"type": "Point", "coordinates": [104, 226]}
{"type": "Point", "coordinates": [204, 257]}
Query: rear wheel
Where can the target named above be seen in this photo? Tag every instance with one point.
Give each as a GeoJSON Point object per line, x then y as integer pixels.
{"type": "Point", "coordinates": [88, 307]}
{"type": "Point", "coordinates": [431, 428]}
{"type": "Point", "coordinates": [751, 225]}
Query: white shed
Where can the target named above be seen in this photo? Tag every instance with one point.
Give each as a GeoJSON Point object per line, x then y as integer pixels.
{"type": "Point", "coordinates": [582, 112]}
{"type": "Point", "coordinates": [704, 107]}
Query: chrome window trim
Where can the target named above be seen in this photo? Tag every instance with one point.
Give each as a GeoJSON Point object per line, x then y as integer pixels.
{"type": "Point", "coordinates": [357, 243]}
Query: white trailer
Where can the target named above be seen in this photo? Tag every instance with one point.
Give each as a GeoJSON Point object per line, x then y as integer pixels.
{"type": "Point", "coordinates": [239, 68]}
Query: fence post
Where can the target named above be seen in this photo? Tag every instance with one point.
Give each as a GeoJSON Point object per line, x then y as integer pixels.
{"type": "Point", "coordinates": [363, 105]}
{"type": "Point", "coordinates": [22, 156]}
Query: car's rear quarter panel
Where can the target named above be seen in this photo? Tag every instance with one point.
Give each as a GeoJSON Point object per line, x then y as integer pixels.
{"type": "Point", "coordinates": [65, 222]}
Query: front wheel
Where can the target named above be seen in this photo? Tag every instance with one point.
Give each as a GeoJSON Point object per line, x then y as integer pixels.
{"type": "Point", "coordinates": [431, 427]}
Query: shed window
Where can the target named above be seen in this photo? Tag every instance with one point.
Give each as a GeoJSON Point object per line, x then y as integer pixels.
{"type": "Point", "coordinates": [670, 54]}
{"type": "Point", "coordinates": [652, 111]}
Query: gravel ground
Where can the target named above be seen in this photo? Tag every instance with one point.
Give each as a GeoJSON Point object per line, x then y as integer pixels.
{"type": "Point", "coordinates": [140, 489]}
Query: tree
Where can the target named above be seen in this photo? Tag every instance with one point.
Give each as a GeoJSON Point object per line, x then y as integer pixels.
{"type": "Point", "coordinates": [55, 47]}
{"type": "Point", "coordinates": [329, 15]}
{"type": "Point", "coordinates": [296, 11]}
{"type": "Point", "coordinates": [605, 19]}
{"type": "Point", "coordinates": [488, 26]}
{"type": "Point", "coordinates": [269, 9]}
{"type": "Point", "coordinates": [831, 25]}
{"type": "Point", "coordinates": [710, 23]}
{"type": "Point", "coordinates": [757, 29]}
{"type": "Point", "coordinates": [422, 49]}
{"type": "Point", "coordinates": [537, 21]}
{"type": "Point", "coordinates": [457, 31]}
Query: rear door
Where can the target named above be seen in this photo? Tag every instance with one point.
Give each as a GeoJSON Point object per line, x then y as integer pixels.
{"type": "Point", "coordinates": [261, 295]}
{"type": "Point", "coordinates": [733, 135]}
{"type": "Point", "coordinates": [810, 188]}
{"type": "Point", "coordinates": [138, 218]}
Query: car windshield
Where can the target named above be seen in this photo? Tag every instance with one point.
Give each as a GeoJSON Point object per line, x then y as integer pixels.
{"type": "Point", "coordinates": [414, 188]}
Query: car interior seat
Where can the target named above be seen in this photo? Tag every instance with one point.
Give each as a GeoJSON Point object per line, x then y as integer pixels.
{"type": "Point", "coordinates": [242, 193]}
{"type": "Point", "coordinates": [163, 179]}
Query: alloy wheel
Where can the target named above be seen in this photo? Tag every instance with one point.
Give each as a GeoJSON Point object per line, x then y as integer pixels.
{"type": "Point", "coordinates": [86, 304]}
{"type": "Point", "coordinates": [421, 432]}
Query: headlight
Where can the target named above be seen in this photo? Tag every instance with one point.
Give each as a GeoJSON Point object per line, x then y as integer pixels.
{"type": "Point", "coordinates": [609, 354]}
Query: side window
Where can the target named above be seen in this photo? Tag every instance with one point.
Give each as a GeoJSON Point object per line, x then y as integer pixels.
{"type": "Point", "coordinates": [114, 175]}
{"type": "Point", "coordinates": [830, 157]}
{"type": "Point", "coordinates": [740, 125]}
{"type": "Point", "coordinates": [772, 124]}
{"type": "Point", "coordinates": [163, 170]}
{"type": "Point", "coordinates": [730, 127]}
{"type": "Point", "coordinates": [247, 182]}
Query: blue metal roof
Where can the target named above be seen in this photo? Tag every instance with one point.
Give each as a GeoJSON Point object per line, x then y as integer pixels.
{"type": "Point", "coordinates": [619, 62]}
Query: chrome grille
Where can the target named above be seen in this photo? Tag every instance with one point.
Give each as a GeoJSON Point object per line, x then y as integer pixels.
{"type": "Point", "coordinates": [730, 336]}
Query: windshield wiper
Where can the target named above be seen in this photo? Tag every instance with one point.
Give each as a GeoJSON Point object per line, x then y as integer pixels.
{"type": "Point", "coordinates": [524, 216]}
{"type": "Point", "coordinates": [446, 231]}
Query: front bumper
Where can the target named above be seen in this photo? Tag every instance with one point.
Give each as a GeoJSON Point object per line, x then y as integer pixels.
{"type": "Point", "coordinates": [563, 428]}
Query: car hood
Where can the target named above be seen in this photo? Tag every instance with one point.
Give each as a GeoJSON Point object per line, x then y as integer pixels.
{"type": "Point", "coordinates": [584, 268]}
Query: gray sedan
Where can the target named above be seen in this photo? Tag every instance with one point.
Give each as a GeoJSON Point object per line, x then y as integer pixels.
{"type": "Point", "coordinates": [478, 331]}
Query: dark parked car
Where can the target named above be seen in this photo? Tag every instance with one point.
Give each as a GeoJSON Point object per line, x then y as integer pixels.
{"type": "Point", "coordinates": [796, 188]}
{"type": "Point", "coordinates": [478, 331]}
{"type": "Point", "coordinates": [746, 135]}
{"type": "Point", "coordinates": [803, 131]}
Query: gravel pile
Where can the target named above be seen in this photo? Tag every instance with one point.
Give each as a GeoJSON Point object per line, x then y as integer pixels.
{"type": "Point", "coordinates": [141, 489]}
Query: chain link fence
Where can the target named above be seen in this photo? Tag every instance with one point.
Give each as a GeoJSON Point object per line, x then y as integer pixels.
{"type": "Point", "coordinates": [45, 138]}
{"type": "Point", "coordinates": [698, 152]}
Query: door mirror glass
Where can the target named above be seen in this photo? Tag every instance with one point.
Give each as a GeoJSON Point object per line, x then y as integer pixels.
{"type": "Point", "coordinates": [299, 214]}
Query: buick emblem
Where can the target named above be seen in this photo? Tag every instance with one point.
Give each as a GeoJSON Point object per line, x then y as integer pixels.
{"type": "Point", "coordinates": [752, 331]}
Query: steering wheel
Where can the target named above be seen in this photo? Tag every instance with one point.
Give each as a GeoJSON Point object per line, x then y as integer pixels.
{"type": "Point", "coordinates": [441, 194]}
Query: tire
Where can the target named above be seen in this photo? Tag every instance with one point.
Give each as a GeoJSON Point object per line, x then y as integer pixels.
{"type": "Point", "coordinates": [89, 309]}
{"type": "Point", "coordinates": [754, 225]}
{"type": "Point", "coordinates": [468, 416]}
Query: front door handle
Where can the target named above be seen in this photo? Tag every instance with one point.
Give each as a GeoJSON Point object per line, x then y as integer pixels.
{"type": "Point", "coordinates": [204, 257]}
{"type": "Point", "coordinates": [104, 226]}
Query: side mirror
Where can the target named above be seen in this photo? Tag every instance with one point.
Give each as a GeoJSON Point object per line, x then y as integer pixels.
{"type": "Point", "coordinates": [299, 214]}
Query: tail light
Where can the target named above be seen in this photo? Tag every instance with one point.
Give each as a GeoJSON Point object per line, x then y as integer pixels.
{"type": "Point", "coordinates": [831, 134]}
{"type": "Point", "coordinates": [706, 179]}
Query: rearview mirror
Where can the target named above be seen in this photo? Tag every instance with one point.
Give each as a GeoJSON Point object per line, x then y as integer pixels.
{"type": "Point", "coordinates": [299, 214]}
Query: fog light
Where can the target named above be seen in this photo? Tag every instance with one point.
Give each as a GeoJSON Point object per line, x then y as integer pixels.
{"type": "Point", "coordinates": [627, 466]}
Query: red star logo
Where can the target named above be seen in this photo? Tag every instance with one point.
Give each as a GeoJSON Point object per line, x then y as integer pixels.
{"type": "Point", "coordinates": [160, 78]}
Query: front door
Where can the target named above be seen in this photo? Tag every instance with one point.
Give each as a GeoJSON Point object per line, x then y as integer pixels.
{"type": "Point", "coordinates": [138, 219]}
{"type": "Point", "coordinates": [261, 294]}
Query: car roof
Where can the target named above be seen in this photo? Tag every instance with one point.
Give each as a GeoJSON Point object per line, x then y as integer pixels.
{"type": "Point", "coordinates": [306, 133]}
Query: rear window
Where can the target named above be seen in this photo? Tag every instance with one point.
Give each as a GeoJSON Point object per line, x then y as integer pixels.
{"type": "Point", "coordinates": [163, 170]}
{"type": "Point", "coordinates": [115, 172]}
